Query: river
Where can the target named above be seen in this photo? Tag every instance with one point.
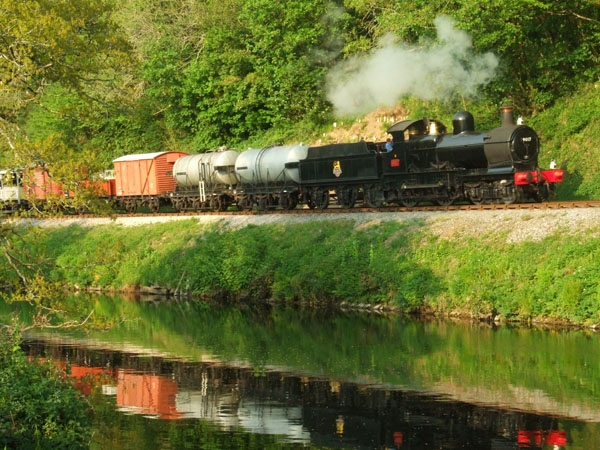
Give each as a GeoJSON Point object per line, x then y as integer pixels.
{"type": "Point", "coordinates": [181, 375]}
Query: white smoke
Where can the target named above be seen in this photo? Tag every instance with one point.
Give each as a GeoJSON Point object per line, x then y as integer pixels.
{"type": "Point", "coordinates": [392, 70]}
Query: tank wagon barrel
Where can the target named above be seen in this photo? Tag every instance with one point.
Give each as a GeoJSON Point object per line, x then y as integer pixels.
{"type": "Point", "coordinates": [205, 181]}
{"type": "Point", "coordinates": [269, 176]}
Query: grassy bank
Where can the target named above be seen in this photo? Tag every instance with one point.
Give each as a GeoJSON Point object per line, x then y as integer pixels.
{"type": "Point", "coordinates": [403, 265]}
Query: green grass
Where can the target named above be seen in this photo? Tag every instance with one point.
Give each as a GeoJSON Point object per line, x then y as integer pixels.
{"type": "Point", "coordinates": [389, 263]}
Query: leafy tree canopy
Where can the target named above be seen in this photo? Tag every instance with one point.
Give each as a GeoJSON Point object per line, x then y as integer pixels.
{"type": "Point", "coordinates": [545, 47]}
{"type": "Point", "coordinates": [73, 43]}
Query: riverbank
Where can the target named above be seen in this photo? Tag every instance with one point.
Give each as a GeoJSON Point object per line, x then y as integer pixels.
{"type": "Point", "coordinates": [530, 265]}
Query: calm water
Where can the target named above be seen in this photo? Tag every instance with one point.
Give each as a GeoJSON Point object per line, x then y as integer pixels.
{"type": "Point", "coordinates": [185, 376]}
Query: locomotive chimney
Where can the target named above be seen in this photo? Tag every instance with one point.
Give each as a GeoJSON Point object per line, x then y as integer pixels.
{"type": "Point", "coordinates": [507, 115]}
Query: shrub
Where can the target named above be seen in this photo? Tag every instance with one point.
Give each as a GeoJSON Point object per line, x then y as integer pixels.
{"type": "Point", "coordinates": [38, 407]}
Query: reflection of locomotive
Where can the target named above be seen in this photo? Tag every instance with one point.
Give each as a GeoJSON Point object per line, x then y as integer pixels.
{"type": "Point", "coordinates": [425, 165]}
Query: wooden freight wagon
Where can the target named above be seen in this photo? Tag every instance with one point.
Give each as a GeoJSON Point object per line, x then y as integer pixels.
{"type": "Point", "coordinates": [39, 185]}
{"type": "Point", "coordinates": [145, 179]}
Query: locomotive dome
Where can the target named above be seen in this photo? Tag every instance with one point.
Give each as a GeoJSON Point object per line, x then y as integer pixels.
{"type": "Point", "coordinates": [463, 121]}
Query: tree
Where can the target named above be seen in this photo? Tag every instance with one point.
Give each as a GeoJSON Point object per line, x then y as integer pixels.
{"type": "Point", "coordinates": [42, 42]}
{"type": "Point", "coordinates": [260, 65]}
{"type": "Point", "coordinates": [545, 47]}
{"type": "Point", "coordinates": [73, 44]}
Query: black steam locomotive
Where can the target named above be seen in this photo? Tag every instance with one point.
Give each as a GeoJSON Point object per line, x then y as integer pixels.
{"type": "Point", "coordinates": [428, 165]}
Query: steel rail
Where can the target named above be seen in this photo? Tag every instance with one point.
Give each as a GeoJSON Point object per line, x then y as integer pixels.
{"type": "Point", "coordinates": [334, 209]}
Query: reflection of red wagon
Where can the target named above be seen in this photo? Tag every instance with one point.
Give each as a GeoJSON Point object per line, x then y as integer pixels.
{"type": "Point", "coordinates": [147, 394]}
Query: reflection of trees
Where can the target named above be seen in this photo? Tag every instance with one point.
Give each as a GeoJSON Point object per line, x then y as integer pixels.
{"type": "Point", "coordinates": [305, 408]}
{"type": "Point", "coordinates": [533, 370]}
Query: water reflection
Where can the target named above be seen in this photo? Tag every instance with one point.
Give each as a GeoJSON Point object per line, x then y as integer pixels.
{"type": "Point", "coordinates": [537, 439]}
{"type": "Point", "coordinates": [298, 409]}
{"type": "Point", "coordinates": [275, 376]}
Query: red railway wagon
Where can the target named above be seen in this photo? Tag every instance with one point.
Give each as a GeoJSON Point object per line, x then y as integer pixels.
{"type": "Point", "coordinates": [147, 394]}
{"type": "Point", "coordinates": [105, 186]}
{"type": "Point", "coordinates": [145, 179]}
{"type": "Point", "coordinates": [38, 185]}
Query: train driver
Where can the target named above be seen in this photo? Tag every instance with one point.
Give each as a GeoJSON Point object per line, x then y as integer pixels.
{"type": "Point", "coordinates": [389, 145]}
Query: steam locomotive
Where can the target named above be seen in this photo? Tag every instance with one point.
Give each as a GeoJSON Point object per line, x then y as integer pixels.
{"type": "Point", "coordinates": [425, 164]}
{"type": "Point", "coordinates": [429, 165]}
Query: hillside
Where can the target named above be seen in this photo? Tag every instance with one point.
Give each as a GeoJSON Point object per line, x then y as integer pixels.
{"type": "Point", "coordinates": [371, 127]}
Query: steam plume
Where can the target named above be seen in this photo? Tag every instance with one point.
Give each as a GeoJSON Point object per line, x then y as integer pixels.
{"type": "Point", "coordinates": [432, 71]}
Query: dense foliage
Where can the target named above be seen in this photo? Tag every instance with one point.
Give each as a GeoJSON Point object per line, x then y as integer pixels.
{"type": "Point", "coordinates": [69, 45]}
{"type": "Point", "coordinates": [38, 408]}
{"type": "Point", "coordinates": [126, 76]}
{"type": "Point", "coordinates": [570, 134]}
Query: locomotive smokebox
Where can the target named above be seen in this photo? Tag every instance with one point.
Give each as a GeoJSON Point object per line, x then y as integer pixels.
{"type": "Point", "coordinates": [507, 115]}
{"type": "Point", "coordinates": [463, 121]}
{"type": "Point", "coordinates": [512, 145]}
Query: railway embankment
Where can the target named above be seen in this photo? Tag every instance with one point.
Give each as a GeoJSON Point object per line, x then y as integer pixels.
{"type": "Point", "coordinates": [502, 265]}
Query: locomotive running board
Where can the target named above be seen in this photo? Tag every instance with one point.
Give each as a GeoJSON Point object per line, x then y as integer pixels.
{"type": "Point", "coordinates": [422, 186]}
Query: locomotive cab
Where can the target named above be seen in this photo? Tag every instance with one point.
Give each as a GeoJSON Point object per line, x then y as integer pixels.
{"type": "Point", "coordinates": [416, 142]}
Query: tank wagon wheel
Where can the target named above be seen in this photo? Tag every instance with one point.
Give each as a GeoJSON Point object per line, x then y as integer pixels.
{"type": "Point", "coordinates": [154, 204]}
{"type": "Point", "coordinates": [244, 202]}
{"type": "Point", "coordinates": [347, 197]}
{"type": "Point", "coordinates": [217, 203]}
{"type": "Point", "coordinates": [288, 201]}
{"type": "Point", "coordinates": [262, 202]}
{"type": "Point", "coordinates": [320, 198]}
{"type": "Point", "coordinates": [373, 197]}
{"type": "Point", "coordinates": [196, 203]}
{"type": "Point", "coordinates": [180, 203]}
{"type": "Point", "coordinates": [266, 202]}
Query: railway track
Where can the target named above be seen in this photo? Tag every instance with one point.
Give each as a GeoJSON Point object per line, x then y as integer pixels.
{"type": "Point", "coordinates": [338, 210]}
